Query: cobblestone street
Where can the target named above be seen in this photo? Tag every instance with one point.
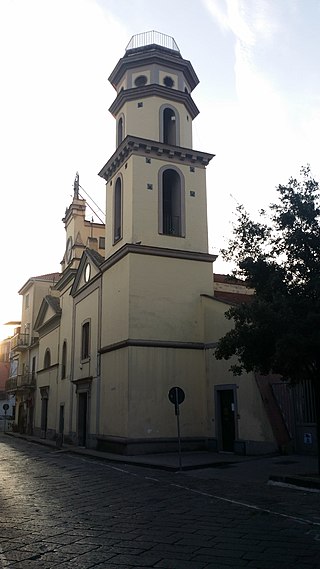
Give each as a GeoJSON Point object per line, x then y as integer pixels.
{"type": "Point", "coordinates": [67, 511]}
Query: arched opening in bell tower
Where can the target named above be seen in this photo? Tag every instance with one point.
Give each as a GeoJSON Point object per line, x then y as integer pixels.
{"type": "Point", "coordinates": [169, 126]}
{"type": "Point", "coordinates": [171, 218]}
{"type": "Point", "coordinates": [117, 230]}
{"type": "Point", "coordinates": [120, 130]}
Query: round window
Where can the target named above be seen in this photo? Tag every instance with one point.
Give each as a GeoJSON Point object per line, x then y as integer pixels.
{"type": "Point", "coordinates": [140, 81]}
{"type": "Point", "coordinates": [168, 81]}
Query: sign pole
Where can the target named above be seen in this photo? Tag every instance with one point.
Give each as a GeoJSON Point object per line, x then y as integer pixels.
{"type": "Point", "coordinates": [5, 408]}
{"type": "Point", "coordinates": [179, 437]}
{"type": "Point", "coordinates": [176, 396]}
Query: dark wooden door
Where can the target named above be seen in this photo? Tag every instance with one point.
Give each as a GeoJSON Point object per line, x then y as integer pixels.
{"type": "Point", "coordinates": [227, 419]}
{"type": "Point", "coordinates": [82, 419]}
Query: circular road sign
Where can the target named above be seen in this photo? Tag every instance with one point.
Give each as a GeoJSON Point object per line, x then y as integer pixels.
{"type": "Point", "coordinates": [176, 395]}
{"type": "Point", "coordinates": [5, 406]}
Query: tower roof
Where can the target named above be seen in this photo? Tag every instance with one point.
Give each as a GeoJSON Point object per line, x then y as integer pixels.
{"type": "Point", "coordinates": [150, 48]}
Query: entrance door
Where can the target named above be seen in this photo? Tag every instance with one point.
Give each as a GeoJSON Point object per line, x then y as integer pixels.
{"type": "Point", "coordinates": [61, 420]}
{"type": "Point", "coordinates": [82, 418]}
{"type": "Point", "coordinates": [227, 419]}
{"type": "Point", "coordinates": [44, 417]}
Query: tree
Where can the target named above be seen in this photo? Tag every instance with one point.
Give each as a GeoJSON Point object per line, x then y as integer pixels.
{"type": "Point", "coordinates": [278, 256]}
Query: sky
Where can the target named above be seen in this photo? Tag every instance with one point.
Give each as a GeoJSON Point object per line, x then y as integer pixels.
{"type": "Point", "coordinates": [258, 96]}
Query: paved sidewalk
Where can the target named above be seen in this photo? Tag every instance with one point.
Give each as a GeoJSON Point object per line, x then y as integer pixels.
{"type": "Point", "coordinates": [297, 470]}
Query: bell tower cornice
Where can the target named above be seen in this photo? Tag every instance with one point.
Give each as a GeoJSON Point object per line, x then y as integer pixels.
{"type": "Point", "coordinates": [150, 55]}
{"type": "Point", "coordinates": [143, 147]}
{"type": "Point", "coordinates": [153, 90]}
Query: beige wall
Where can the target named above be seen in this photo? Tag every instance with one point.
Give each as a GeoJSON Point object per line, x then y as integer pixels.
{"type": "Point", "coordinates": [145, 121]}
{"type": "Point", "coordinates": [135, 382]}
{"type": "Point", "coordinates": [87, 309]}
{"type": "Point", "coordinates": [140, 219]}
{"type": "Point", "coordinates": [252, 423]}
{"type": "Point", "coordinates": [114, 405]}
{"type": "Point", "coordinates": [153, 371]}
{"type": "Point", "coordinates": [164, 297]}
{"type": "Point", "coordinates": [115, 303]}
{"type": "Point", "coordinates": [64, 386]}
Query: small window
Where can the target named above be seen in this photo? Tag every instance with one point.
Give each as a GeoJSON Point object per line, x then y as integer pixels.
{"type": "Point", "coordinates": [102, 242]}
{"type": "Point", "coordinates": [140, 105]}
{"type": "Point", "coordinates": [47, 359]}
{"type": "Point", "coordinates": [85, 341]}
{"type": "Point", "coordinates": [141, 81]}
{"type": "Point", "coordinates": [26, 301]}
{"type": "Point", "coordinates": [168, 81]}
{"type": "Point", "coordinates": [64, 360]}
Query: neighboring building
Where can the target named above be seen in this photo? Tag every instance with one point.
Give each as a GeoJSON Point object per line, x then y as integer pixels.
{"type": "Point", "coordinates": [7, 402]}
{"type": "Point", "coordinates": [24, 350]}
{"type": "Point", "coordinates": [136, 310]}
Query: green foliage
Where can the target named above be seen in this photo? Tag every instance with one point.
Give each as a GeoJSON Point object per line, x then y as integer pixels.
{"type": "Point", "coordinates": [279, 257]}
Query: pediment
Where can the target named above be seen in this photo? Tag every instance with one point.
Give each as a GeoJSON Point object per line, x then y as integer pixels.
{"type": "Point", "coordinates": [88, 270]}
{"type": "Point", "coordinates": [49, 312]}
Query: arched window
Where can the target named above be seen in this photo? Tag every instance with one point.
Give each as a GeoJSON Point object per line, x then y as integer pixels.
{"type": "Point", "coordinates": [85, 341]}
{"type": "Point", "coordinates": [117, 229]}
{"type": "Point", "coordinates": [171, 203]}
{"type": "Point", "coordinates": [64, 360]}
{"type": "Point", "coordinates": [47, 359]}
{"type": "Point", "coordinates": [169, 125]}
{"type": "Point", "coordinates": [120, 130]}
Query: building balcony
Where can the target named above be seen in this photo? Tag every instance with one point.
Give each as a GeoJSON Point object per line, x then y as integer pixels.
{"type": "Point", "coordinates": [20, 342]}
{"type": "Point", "coordinates": [21, 383]}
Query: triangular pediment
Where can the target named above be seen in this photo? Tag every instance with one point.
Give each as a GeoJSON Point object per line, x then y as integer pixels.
{"type": "Point", "coordinates": [88, 270]}
{"type": "Point", "coordinates": [49, 312]}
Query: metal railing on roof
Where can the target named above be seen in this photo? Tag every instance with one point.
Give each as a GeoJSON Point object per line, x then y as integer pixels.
{"type": "Point", "coordinates": [152, 37]}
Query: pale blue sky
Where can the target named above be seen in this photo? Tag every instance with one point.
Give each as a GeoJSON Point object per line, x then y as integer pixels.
{"type": "Point", "coordinates": [259, 101]}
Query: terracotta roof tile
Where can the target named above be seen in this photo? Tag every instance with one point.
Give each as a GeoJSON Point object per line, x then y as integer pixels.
{"type": "Point", "coordinates": [47, 277]}
{"type": "Point", "coordinates": [232, 297]}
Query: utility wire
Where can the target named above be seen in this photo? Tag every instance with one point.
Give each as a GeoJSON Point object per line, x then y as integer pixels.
{"type": "Point", "coordinates": [89, 206]}
{"type": "Point", "coordinates": [103, 213]}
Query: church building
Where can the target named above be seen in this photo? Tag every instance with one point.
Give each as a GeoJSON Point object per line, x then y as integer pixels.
{"type": "Point", "coordinates": [136, 310]}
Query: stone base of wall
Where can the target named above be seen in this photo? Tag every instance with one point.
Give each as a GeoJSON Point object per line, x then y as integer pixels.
{"type": "Point", "coordinates": [119, 445]}
{"type": "Point", "coordinates": [49, 434]}
{"type": "Point", "coordinates": [254, 448]}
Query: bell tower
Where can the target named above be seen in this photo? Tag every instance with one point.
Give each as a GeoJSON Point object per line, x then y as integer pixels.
{"type": "Point", "coordinates": [155, 180]}
{"type": "Point", "coordinates": [156, 261]}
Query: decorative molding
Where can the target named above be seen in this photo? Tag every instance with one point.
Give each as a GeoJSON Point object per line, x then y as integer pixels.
{"type": "Point", "coordinates": [142, 146]}
{"type": "Point", "coordinates": [157, 252]}
{"type": "Point", "coordinates": [151, 56]}
{"type": "Point", "coordinates": [142, 343]}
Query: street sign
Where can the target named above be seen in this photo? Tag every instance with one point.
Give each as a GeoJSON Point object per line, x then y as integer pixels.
{"type": "Point", "coordinates": [5, 406]}
{"type": "Point", "coordinates": [176, 395]}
